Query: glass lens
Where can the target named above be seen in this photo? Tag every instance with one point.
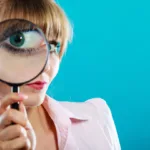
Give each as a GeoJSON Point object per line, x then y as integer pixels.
{"type": "Point", "coordinates": [23, 50]}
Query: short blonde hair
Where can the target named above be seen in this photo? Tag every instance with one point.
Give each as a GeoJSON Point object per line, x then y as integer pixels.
{"type": "Point", "coordinates": [45, 13]}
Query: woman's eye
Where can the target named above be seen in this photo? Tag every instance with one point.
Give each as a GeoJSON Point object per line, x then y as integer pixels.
{"type": "Point", "coordinates": [54, 46]}
{"type": "Point", "coordinates": [26, 39]}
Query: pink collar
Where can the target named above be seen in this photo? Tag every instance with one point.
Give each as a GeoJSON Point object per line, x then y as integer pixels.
{"type": "Point", "coordinates": [62, 119]}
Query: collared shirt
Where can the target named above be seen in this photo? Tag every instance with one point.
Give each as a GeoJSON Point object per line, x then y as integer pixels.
{"type": "Point", "coordinates": [85, 125]}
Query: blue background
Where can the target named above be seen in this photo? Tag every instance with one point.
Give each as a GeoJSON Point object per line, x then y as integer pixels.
{"type": "Point", "coordinates": [109, 58]}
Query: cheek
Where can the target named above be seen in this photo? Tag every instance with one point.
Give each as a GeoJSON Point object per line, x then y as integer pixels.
{"type": "Point", "coordinates": [52, 66]}
{"type": "Point", "coordinates": [36, 98]}
{"type": "Point", "coordinates": [49, 73]}
{"type": "Point", "coordinates": [4, 89]}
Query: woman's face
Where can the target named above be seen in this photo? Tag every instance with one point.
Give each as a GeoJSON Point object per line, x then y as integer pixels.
{"type": "Point", "coordinates": [36, 97]}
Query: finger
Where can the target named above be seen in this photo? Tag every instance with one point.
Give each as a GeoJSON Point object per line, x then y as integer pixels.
{"type": "Point", "coordinates": [12, 98]}
{"type": "Point", "coordinates": [23, 109]}
{"type": "Point", "coordinates": [14, 116]}
{"type": "Point", "coordinates": [18, 143]}
{"type": "Point", "coordinates": [12, 132]}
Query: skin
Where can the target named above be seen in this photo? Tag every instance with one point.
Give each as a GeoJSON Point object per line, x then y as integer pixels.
{"type": "Point", "coordinates": [32, 123]}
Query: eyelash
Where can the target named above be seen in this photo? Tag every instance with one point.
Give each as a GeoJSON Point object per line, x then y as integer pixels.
{"type": "Point", "coordinates": [27, 51]}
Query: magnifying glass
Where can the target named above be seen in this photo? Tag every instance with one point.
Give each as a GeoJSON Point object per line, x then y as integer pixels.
{"type": "Point", "coordinates": [24, 52]}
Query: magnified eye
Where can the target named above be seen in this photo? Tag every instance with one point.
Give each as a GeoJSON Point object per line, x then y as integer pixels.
{"type": "Point", "coordinates": [25, 39]}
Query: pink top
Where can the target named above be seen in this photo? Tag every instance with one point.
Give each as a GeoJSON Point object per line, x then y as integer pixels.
{"type": "Point", "coordinates": [83, 125]}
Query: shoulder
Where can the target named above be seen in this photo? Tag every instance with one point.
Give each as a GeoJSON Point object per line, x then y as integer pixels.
{"type": "Point", "coordinates": [99, 124]}
{"type": "Point", "coordinates": [90, 103]}
{"type": "Point", "coordinates": [95, 107]}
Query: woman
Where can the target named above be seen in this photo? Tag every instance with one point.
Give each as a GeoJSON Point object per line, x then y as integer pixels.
{"type": "Point", "coordinates": [43, 123]}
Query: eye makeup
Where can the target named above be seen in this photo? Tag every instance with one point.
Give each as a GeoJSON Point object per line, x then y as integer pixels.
{"type": "Point", "coordinates": [20, 51]}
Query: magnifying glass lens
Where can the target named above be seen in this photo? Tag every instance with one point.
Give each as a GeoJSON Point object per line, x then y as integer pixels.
{"type": "Point", "coordinates": [23, 51]}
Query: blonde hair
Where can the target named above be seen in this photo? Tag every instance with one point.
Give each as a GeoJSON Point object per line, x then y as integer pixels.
{"type": "Point", "coordinates": [45, 13]}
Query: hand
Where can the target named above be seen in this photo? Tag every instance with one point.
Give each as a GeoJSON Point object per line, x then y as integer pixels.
{"type": "Point", "coordinates": [20, 135]}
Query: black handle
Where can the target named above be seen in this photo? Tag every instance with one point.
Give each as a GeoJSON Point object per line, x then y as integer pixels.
{"type": "Point", "coordinates": [15, 106]}
{"type": "Point", "coordinates": [15, 89]}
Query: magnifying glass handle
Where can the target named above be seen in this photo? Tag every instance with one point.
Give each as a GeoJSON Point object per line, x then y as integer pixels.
{"type": "Point", "coordinates": [15, 105]}
{"type": "Point", "coordinates": [15, 89]}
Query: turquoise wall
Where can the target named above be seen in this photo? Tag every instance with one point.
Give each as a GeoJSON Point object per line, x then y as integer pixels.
{"type": "Point", "coordinates": [110, 58]}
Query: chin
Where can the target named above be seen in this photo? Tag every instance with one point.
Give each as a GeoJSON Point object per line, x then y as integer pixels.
{"type": "Point", "coordinates": [35, 97]}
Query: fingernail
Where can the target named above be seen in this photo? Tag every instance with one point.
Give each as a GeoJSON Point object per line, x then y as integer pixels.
{"type": "Point", "coordinates": [28, 126]}
{"type": "Point", "coordinates": [23, 96]}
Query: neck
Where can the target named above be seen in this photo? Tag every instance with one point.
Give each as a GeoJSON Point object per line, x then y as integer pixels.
{"type": "Point", "coordinates": [43, 125]}
{"type": "Point", "coordinates": [39, 119]}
